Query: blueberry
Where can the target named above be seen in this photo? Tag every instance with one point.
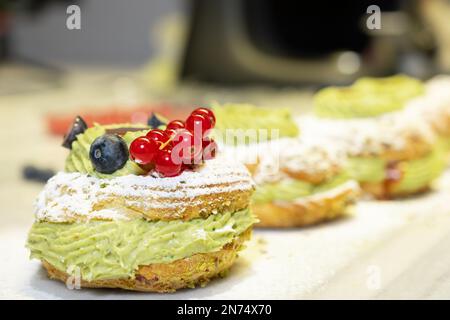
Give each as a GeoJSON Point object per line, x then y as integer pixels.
{"type": "Point", "coordinates": [108, 153]}
{"type": "Point", "coordinates": [78, 126]}
{"type": "Point", "coordinates": [154, 122]}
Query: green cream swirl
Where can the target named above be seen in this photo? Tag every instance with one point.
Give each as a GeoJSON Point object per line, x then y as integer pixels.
{"type": "Point", "coordinates": [291, 189]}
{"type": "Point", "coordinates": [416, 173]}
{"type": "Point", "coordinates": [249, 117]}
{"type": "Point", "coordinates": [78, 159]}
{"type": "Point", "coordinates": [367, 97]}
{"type": "Point", "coordinates": [115, 249]}
{"type": "Point", "coordinates": [399, 87]}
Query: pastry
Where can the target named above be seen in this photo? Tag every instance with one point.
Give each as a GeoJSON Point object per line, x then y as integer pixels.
{"type": "Point", "coordinates": [126, 213]}
{"type": "Point", "coordinates": [434, 108]}
{"type": "Point", "coordinates": [391, 152]}
{"type": "Point", "coordinates": [298, 182]}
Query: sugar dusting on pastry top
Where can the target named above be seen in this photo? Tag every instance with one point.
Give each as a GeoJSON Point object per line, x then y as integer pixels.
{"type": "Point", "coordinates": [434, 105]}
{"type": "Point", "coordinates": [69, 196]}
{"type": "Point", "coordinates": [393, 131]}
{"type": "Point", "coordinates": [273, 158]}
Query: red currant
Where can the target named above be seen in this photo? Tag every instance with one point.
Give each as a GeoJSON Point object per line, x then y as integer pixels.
{"type": "Point", "coordinates": [206, 112]}
{"type": "Point", "coordinates": [187, 149]}
{"type": "Point", "coordinates": [143, 150]}
{"type": "Point", "coordinates": [158, 135]}
{"type": "Point", "coordinates": [209, 149]}
{"type": "Point", "coordinates": [198, 124]}
{"type": "Point", "coordinates": [165, 165]}
{"type": "Point", "coordinates": [175, 124]}
{"type": "Point", "coordinates": [171, 132]}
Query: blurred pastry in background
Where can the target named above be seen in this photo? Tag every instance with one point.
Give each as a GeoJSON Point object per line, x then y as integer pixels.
{"type": "Point", "coordinates": [434, 108]}
{"type": "Point", "coordinates": [298, 182]}
{"type": "Point", "coordinates": [391, 152]}
{"type": "Point", "coordinates": [367, 97]}
{"type": "Point", "coordinates": [124, 214]}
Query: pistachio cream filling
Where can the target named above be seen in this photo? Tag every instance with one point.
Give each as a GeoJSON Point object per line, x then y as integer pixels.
{"type": "Point", "coordinates": [291, 189]}
{"type": "Point", "coordinates": [399, 87]}
{"type": "Point", "coordinates": [115, 249]}
{"type": "Point", "coordinates": [248, 117]}
{"type": "Point", "coordinates": [367, 97]}
{"type": "Point", "coordinates": [411, 175]}
{"type": "Point", "coordinates": [78, 159]}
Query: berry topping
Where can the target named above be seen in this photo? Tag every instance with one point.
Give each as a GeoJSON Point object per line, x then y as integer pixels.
{"type": "Point", "coordinates": [78, 126]}
{"type": "Point", "coordinates": [198, 124]}
{"type": "Point", "coordinates": [108, 153]}
{"type": "Point", "coordinates": [206, 112]}
{"type": "Point", "coordinates": [175, 124]}
{"type": "Point", "coordinates": [165, 165]}
{"type": "Point", "coordinates": [183, 145]}
{"type": "Point", "coordinates": [143, 150]}
{"type": "Point", "coordinates": [171, 132]}
{"type": "Point", "coordinates": [209, 149]}
{"type": "Point", "coordinates": [173, 127]}
{"type": "Point", "coordinates": [158, 135]}
{"type": "Point", "coordinates": [186, 149]}
{"type": "Point", "coordinates": [154, 121]}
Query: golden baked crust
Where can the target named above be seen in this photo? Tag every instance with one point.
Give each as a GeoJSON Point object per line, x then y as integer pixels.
{"type": "Point", "coordinates": [216, 186]}
{"type": "Point", "coordinates": [441, 125]}
{"type": "Point", "coordinates": [305, 212]}
{"type": "Point", "coordinates": [415, 147]}
{"type": "Point", "coordinates": [201, 206]}
{"type": "Point", "coordinates": [189, 272]}
{"type": "Point", "coordinates": [71, 197]}
{"type": "Point", "coordinates": [384, 190]}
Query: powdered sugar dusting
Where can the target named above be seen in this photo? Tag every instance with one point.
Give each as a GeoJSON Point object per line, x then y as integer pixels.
{"type": "Point", "coordinates": [434, 105]}
{"type": "Point", "coordinates": [373, 136]}
{"type": "Point", "coordinates": [69, 195]}
{"type": "Point", "coordinates": [296, 155]}
{"type": "Point", "coordinates": [391, 130]}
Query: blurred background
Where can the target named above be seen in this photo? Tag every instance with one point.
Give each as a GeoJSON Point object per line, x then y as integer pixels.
{"type": "Point", "coordinates": [226, 43]}
{"type": "Point", "coordinates": [129, 58]}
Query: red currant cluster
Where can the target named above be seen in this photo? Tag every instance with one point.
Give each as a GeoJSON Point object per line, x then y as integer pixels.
{"type": "Point", "coordinates": [181, 145]}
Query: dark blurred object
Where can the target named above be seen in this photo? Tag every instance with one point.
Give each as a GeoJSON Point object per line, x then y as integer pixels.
{"type": "Point", "coordinates": [78, 127]}
{"type": "Point", "coordinates": [35, 174]}
{"type": "Point", "coordinates": [8, 8]}
{"type": "Point", "coordinates": [41, 76]}
{"type": "Point", "coordinates": [5, 18]}
{"type": "Point", "coordinates": [30, 6]}
{"type": "Point", "coordinates": [295, 42]}
{"type": "Point", "coordinates": [154, 122]}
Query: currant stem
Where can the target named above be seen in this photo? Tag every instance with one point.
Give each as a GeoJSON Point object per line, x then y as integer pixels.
{"type": "Point", "coordinates": [166, 143]}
